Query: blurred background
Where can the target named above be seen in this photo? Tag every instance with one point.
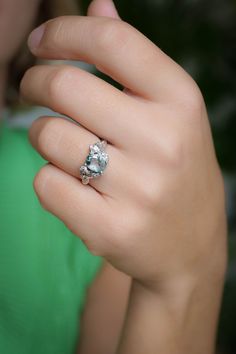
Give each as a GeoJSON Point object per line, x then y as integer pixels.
{"type": "Point", "coordinates": [201, 36]}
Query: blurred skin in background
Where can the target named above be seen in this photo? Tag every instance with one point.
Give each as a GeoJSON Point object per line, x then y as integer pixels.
{"type": "Point", "coordinates": [17, 19]}
{"type": "Point", "coordinates": [15, 28]}
{"type": "Point", "coordinates": [13, 31]}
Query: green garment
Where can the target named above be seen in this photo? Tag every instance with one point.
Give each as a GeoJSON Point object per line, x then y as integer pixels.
{"type": "Point", "coordinates": [44, 268]}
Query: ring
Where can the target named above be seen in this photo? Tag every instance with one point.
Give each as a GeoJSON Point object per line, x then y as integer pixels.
{"type": "Point", "coordinates": [95, 163]}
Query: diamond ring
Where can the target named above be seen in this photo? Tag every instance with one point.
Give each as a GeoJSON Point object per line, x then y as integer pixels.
{"type": "Point", "coordinates": [95, 162]}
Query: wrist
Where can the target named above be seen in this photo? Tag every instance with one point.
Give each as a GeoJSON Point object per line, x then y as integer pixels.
{"type": "Point", "coordinates": [211, 271]}
{"type": "Point", "coordinates": [206, 266]}
{"type": "Point", "coordinates": [182, 292]}
{"type": "Point", "coordinates": [173, 319]}
{"type": "Point", "coordinates": [179, 309]}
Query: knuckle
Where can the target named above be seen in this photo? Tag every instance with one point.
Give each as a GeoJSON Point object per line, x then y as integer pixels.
{"type": "Point", "coordinates": [149, 194]}
{"type": "Point", "coordinates": [111, 35]}
{"type": "Point", "coordinates": [194, 101]}
{"type": "Point", "coordinates": [49, 135]}
{"type": "Point", "coordinates": [56, 80]}
{"type": "Point", "coordinates": [54, 32]}
{"type": "Point", "coordinates": [145, 186]}
{"type": "Point", "coordinates": [174, 155]}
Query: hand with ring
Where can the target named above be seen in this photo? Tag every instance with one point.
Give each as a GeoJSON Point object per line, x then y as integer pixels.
{"type": "Point", "coordinates": [155, 209]}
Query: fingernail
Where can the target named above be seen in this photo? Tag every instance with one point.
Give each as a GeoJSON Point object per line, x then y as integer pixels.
{"type": "Point", "coordinates": [35, 37]}
{"type": "Point", "coordinates": [111, 10]}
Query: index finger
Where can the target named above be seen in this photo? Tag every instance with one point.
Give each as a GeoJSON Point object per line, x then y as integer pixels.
{"type": "Point", "coordinates": [115, 48]}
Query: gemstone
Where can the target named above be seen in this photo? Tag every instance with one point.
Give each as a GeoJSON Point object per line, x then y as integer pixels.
{"type": "Point", "coordinates": [96, 161]}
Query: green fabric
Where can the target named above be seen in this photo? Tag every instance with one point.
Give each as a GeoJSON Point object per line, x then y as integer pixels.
{"type": "Point", "coordinates": [44, 268]}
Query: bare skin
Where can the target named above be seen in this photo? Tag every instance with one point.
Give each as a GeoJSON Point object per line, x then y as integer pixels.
{"type": "Point", "coordinates": [157, 214]}
{"type": "Point", "coordinates": [105, 312]}
{"type": "Point", "coordinates": [11, 39]}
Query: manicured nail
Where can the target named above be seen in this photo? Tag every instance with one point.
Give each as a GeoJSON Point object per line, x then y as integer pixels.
{"type": "Point", "coordinates": [35, 37]}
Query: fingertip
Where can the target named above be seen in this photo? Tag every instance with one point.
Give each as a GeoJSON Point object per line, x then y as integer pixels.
{"type": "Point", "coordinates": [103, 8]}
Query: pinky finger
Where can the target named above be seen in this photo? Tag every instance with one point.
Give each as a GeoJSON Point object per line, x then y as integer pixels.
{"type": "Point", "coordinates": [80, 207]}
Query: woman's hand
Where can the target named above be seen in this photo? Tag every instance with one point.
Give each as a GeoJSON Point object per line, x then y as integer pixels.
{"type": "Point", "coordinates": [157, 213]}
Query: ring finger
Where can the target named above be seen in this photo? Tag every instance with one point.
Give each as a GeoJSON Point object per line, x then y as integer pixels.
{"type": "Point", "coordinates": [66, 144]}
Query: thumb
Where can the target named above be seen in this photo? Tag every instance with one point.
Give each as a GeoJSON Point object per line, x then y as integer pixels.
{"type": "Point", "coordinates": [103, 8]}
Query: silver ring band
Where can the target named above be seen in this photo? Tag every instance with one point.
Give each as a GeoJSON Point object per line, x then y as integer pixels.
{"type": "Point", "coordinates": [95, 163]}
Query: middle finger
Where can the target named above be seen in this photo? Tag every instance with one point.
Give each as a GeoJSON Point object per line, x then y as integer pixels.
{"type": "Point", "coordinates": [95, 104]}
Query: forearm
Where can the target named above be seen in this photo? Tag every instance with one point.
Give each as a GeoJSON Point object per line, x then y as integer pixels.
{"type": "Point", "coordinates": [179, 320]}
